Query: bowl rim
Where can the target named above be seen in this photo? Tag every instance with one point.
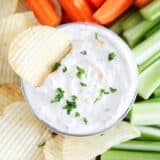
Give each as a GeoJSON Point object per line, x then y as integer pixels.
{"type": "Point", "coordinates": [128, 108]}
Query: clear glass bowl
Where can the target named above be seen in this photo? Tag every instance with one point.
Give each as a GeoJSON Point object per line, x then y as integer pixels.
{"type": "Point", "coordinates": [131, 61]}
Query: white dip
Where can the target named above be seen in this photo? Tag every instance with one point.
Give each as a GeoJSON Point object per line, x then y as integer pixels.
{"type": "Point", "coordinates": [104, 85]}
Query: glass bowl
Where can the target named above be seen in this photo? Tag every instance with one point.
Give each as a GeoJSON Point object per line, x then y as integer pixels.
{"type": "Point", "coordinates": [121, 45]}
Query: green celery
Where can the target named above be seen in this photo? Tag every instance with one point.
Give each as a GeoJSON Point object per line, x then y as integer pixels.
{"type": "Point", "coordinates": [149, 133]}
{"type": "Point", "coordinates": [139, 146]}
{"type": "Point", "coordinates": [157, 99]}
{"type": "Point", "coordinates": [151, 11]}
{"type": "Point", "coordinates": [145, 113]}
{"type": "Point", "coordinates": [157, 92]}
{"type": "Point", "coordinates": [158, 126]}
{"type": "Point", "coordinates": [131, 21]}
{"type": "Point", "coordinates": [129, 155]}
{"type": "Point", "coordinates": [147, 48]}
{"type": "Point", "coordinates": [136, 34]}
{"type": "Point", "coordinates": [149, 62]}
{"type": "Point", "coordinates": [149, 80]}
{"type": "Point", "coordinates": [116, 26]}
{"type": "Point", "coordinates": [152, 31]}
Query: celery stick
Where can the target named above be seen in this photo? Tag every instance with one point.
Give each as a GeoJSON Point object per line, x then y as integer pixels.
{"type": "Point", "coordinates": [145, 113]}
{"type": "Point", "coordinates": [158, 126]}
{"type": "Point", "coordinates": [149, 62]}
{"type": "Point", "coordinates": [157, 92]}
{"type": "Point", "coordinates": [136, 34]}
{"type": "Point", "coordinates": [151, 11]}
{"type": "Point", "coordinates": [116, 26]}
{"type": "Point", "coordinates": [157, 99]}
{"type": "Point", "coordinates": [149, 80]}
{"type": "Point", "coordinates": [147, 48]}
{"type": "Point", "coordinates": [139, 146]}
{"type": "Point", "coordinates": [149, 133]}
{"type": "Point", "coordinates": [129, 155]}
{"type": "Point", "coordinates": [132, 20]}
{"type": "Point", "coordinates": [153, 30]}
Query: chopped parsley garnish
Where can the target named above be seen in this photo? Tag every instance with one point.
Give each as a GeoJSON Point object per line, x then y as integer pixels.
{"type": "Point", "coordinates": [101, 93]}
{"type": "Point", "coordinates": [41, 144]}
{"type": "Point", "coordinates": [83, 84]}
{"type": "Point", "coordinates": [112, 90]}
{"type": "Point", "coordinates": [96, 36]}
{"type": "Point", "coordinates": [85, 120]}
{"type": "Point", "coordinates": [83, 52]}
{"type": "Point", "coordinates": [56, 66]}
{"type": "Point", "coordinates": [80, 72]}
{"type": "Point", "coordinates": [111, 56]}
{"type": "Point", "coordinates": [77, 114]}
{"type": "Point", "coordinates": [74, 98]}
{"type": "Point", "coordinates": [70, 105]}
{"type": "Point", "coordinates": [65, 69]}
{"type": "Point", "coordinates": [59, 95]}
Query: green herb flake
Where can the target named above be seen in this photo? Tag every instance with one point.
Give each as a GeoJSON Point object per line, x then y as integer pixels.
{"type": "Point", "coordinates": [56, 66]}
{"type": "Point", "coordinates": [41, 144]}
{"type": "Point", "coordinates": [80, 72]}
{"type": "Point", "coordinates": [77, 114]}
{"type": "Point", "coordinates": [83, 52]}
{"type": "Point", "coordinates": [59, 95]}
{"type": "Point", "coordinates": [85, 120]}
{"type": "Point", "coordinates": [65, 69]}
{"type": "Point", "coordinates": [83, 84]}
{"type": "Point", "coordinates": [96, 35]}
{"type": "Point", "coordinates": [112, 90]}
{"type": "Point", "coordinates": [74, 98]}
{"type": "Point", "coordinates": [111, 56]}
{"type": "Point", "coordinates": [101, 93]}
{"type": "Point", "coordinates": [70, 105]}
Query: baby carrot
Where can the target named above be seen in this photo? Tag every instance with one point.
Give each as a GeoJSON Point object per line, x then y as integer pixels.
{"type": "Point", "coordinates": [45, 12]}
{"type": "Point", "coordinates": [66, 18]}
{"type": "Point", "coordinates": [141, 3]}
{"type": "Point", "coordinates": [96, 3]}
{"type": "Point", "coordinates": [77, 10]}
{"type": "Point", "coordinates": [111, 10]}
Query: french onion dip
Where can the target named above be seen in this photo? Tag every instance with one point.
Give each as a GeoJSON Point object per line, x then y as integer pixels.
{"type": "Point", "coordinates": [91, 88]}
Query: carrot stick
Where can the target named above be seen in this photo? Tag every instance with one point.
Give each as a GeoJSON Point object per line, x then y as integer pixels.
{"type": "Point", "coordinates": [111, 10]}
{"type": "Point", "coordinates": [96, 3]}
{"type": "Point", "coordinates": [141, 3]}
{"type": "Point", "coordinates": [66, 18]}
{"type": "Point", "coordinates": [77, 10]}
{"type": "Point", "coordinates": [45, 12]}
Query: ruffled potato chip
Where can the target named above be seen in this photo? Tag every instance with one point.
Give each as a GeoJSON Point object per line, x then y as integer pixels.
{"type": "Point", "coordinates": [21, 134]}
{"type": "Point", "coordinates": [8, 7]}
{"type": "Point", "coordinates": [22, 6]}
{"type": "Point", "coordinates": [10, 27]}
{"type": "Point", "coordinates": [84, 148]}
{"type": "Point", "coordinates": [7, 75]}
{"type": "Point", "coordinates": [30, 15]}
{"type": "Point", "coordinates": [34, 52]}
{"type": "Point", "coordinates": [9, 93]}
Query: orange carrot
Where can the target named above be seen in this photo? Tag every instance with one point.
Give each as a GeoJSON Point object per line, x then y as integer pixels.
{"type": "Point", "coordinates": [96, 3]}
{"type": "Point", "coordinates": [141, 3]}
{"type": "Point", "coordinates": [66, 18]}
{"type": "Point", "coordinates": [77, 10]}
{"type": "Point", "coordinates": [111, 10]}
{"type": "Point", "coordinates": [45, 12]}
